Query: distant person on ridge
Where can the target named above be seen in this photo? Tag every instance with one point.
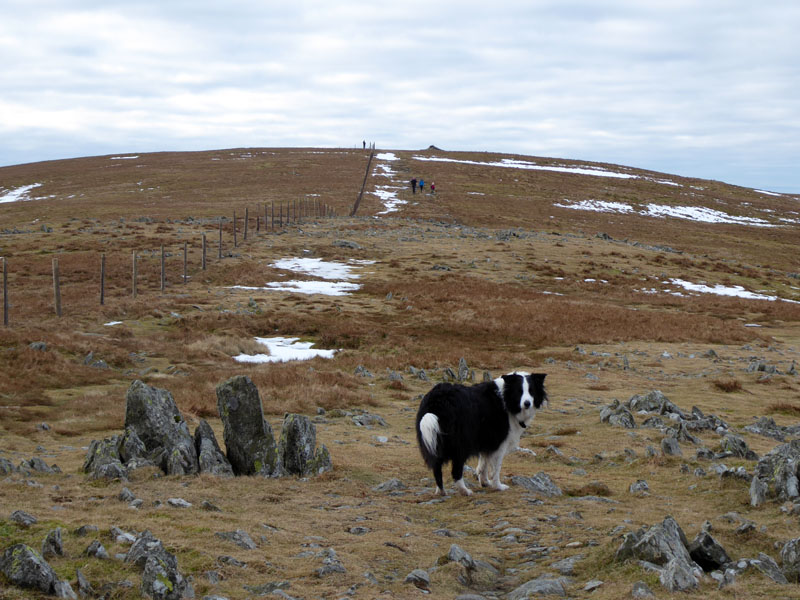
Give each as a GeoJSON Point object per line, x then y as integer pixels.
{"type": "Point", "coordinates": [414, 185]}
{"type": "Point", "coordinates": [433, 187]}
{"type": "Point", "coordinates": [363, 144]}
{"type": "Point", "coordinates": [421, 185]}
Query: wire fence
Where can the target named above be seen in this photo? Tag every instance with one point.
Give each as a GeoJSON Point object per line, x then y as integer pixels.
{"type": "Point", "coordinates": [270, 218]}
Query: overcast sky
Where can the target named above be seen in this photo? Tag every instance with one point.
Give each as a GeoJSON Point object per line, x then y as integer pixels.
{"type": "Point", "coordinates": [700, 88]}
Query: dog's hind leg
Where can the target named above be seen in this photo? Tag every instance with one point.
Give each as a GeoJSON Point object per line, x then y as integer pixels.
{"type": "Point", "coordinates": [458, 477]}
{"type": "Point", "coordinates": [437, 475]}
{"type": "Point", "coordinates": [482, 470]}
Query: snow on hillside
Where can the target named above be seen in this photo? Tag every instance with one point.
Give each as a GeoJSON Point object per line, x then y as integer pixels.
{"type": "Point", "coordinates": [330, 272]}
{"type": "Point", "coordinates": [691, 213]}
{"type": "Point", "coordinates": [510, 163]}
{"type": "Point", "coordinates": [17, 194]}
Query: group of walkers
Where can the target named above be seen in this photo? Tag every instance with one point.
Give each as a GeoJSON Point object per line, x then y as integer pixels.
{"type": "Point", "coordinates": [421, 184]}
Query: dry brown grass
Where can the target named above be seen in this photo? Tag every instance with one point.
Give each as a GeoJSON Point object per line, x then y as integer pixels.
{"type": "Point", "coordinates": [727, 385]}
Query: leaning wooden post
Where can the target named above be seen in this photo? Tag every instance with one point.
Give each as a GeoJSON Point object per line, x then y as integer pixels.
{"type": "Point", "coordinates": [204, 251]}
{"type": "Point", "coordinates": [185, 261]}
{"type": "Point", "coordinates": [266, 216]}
{"type": "Point", "coordinates": [246, 219]}
{"type": "Point", "coordinates": [258, 223]}
{"type": "Point", "coordinates": [219, 252]}
{"type": "Point", "coordinates": [280, 215]}
{"type": "Point", "coordinates": [56, 287]}
{"type": "Point", "coordinates": [5, 292]}
{"type": "Point", "coordinates": [135, 274]}
{"type": "Point", "coordinates": [163, 271]}
{"type": "Point", "coordinates": [235, 242]}
{"type": "Point", "coordinates": [102, 279]}
{"type": "Point", "coordinates": [272, 223]}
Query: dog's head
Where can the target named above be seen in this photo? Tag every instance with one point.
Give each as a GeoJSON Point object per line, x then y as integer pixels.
{"type": "Point", "coordinates": [523, 394]}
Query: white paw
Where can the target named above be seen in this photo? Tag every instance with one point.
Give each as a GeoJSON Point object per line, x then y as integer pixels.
{"type": "Point", "coordinates": [465, 491]}
{"type": "Point", "coordinates": [501, 487]}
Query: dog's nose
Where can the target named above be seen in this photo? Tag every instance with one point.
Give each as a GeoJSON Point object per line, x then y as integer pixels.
{"type": "Point", "coordinates": [526, 404]}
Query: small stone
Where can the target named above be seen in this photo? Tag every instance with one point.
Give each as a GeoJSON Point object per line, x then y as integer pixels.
{"type": "Point", "coordinates": [419, 578]}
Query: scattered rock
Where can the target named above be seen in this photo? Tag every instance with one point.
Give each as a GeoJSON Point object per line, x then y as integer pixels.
{"type": "Point", "coordinates": [392, 485]}
{"type": "Point", "coordinates": [767, 565]}
{"type": "Point", "coordinates": [22, 518]}
{"type": "Point", "coordinates": [639, 488]}
{"type": "Point", "coordinates": [419, 578]}
{"type": "Point", "coordinates": [790, 560]}
{"type": "Point", "coordinates": [238, 537]}
{"type": "Point", "coordinates": [617, 414]}
{"type": "Point", "coordinates": [642, 590]}
{"type": "Point", "coordinates": [541, 586]}
{"type": "Point", "coordinates": [53, 544]}
{"type": "Point", "coordinates": [540, 484]}
{"type": "Point", "coordinates": [707, 552]}
{"type": "Point", "coordinates": [670, 447]}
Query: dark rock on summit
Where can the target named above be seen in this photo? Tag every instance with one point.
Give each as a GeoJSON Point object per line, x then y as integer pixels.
{"type": "Point", "coordinates": [776, 474]}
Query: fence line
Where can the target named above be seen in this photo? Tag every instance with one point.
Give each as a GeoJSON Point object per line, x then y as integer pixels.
{"type": "Point", "coordinates": [296, 211]}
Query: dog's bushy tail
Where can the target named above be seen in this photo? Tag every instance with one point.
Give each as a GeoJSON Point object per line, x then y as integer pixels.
{"type": "Point", "coordinates": [428, 436]}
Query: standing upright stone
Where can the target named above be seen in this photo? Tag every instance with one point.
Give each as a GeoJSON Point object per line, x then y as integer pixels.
{"type": "Point", "coordinates": [248, 437]}
{"type": "Point", "coordinates": [209, 455]}
{"type": "Point", "coordinates": [297, 450]}
{"type": "Point", "coordinates": [154, 416]}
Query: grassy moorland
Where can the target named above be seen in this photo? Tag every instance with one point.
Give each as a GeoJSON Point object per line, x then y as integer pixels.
{"type": "Point", "coordinates": [495, 268]}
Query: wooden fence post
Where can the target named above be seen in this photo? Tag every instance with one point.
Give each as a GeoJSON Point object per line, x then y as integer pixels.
{"type": "Point", "coordinates": [5, 292]}
{"type": "Point", "coordinates": [185, 261]}
{"type": "Point", "coordinates": [163, 271]}
{"type": "Point", "coordinates": [266, 215]}
{"type": "Point", "coordinates": [246, 219]}
{"type": "Point", "coordinates": [220, 239]}
{"type": "Point", "coordinates": [134, 275]}
{"type": "Point", "coordinates": [204, 251]}
{"type": "Point", "coordinates": [273, 216]}
{"type": "Point", "coordinates": [56, 287]}
{"type": "Point", "coordinates": [235, 242]}
{"type": "Point", "coordinates": [102, 279]}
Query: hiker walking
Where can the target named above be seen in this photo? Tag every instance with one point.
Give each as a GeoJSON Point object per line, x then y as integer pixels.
{"type": "Point", "coordinates": [421, 185]}
{"type": "Point", "coordinates": [363, 144]}
{"type": "Point", "coordinates": [433, 187]}
{"type": "Point", "coordinates": [414, 185]}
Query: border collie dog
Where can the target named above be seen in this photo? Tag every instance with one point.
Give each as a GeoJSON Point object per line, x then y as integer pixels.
{"type": "Point", "coordinates": [456, 422]}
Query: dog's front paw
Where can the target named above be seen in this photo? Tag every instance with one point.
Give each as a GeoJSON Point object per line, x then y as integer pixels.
{"type": "Point", "coordinates": [466, 491]}
{"type": "Point", "coordinates": [501, 487]}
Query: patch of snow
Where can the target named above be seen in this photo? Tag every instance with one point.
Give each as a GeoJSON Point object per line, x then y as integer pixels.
{"type": "Point", "coordinates": [702, 215]}
{"type": "Point", "coordinates": [18, 194]}
{"type": "Point", "coordinates": [768, 193]}
{"type": "Point", "coordinates": [509, 163]}
{"type": "Point", "coordinates": [699, 214]}
{"type": "Point", "coordinates": [317, 267]}
{"type": "Point", "coordinates": [735, 291]}
{"type": "Point", "coordinates": [124, 157]}
{"type": "Point", "coordinates": [386, 156]}
{"type": "Point", "coordinates": [599, 206]}
{"type": "Point", "coordinates": [283, 350]}
{"type": "Point", "coordinates": [326, 288]}
{"type": "Point", "coordinates": [112, 323]}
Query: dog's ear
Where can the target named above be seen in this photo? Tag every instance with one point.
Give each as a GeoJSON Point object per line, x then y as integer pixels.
{"type": "Point", "coordinates": [539, 394]}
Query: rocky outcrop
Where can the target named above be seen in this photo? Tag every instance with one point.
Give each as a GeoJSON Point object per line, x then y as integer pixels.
{"type": "Point", "coordinates": [25, 568]}
{"type": "Point", "coordinates": [153, 415]}
{"type": "Point", "coordinates": [250, 444]}
{"type": "Point", "coordinates": [156, 434]}
{"type": "Point", "coordinates": [161, 578]}
{"type": "Point", "coordinates": [210, 457]}
{"type": "Point", "coordinates": [297, 448]}
{"type": "Point", "coordinates": [776, 474]}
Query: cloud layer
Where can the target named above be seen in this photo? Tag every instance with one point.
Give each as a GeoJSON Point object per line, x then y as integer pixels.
{"type": "Point", "coordinates": [704, 89]}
